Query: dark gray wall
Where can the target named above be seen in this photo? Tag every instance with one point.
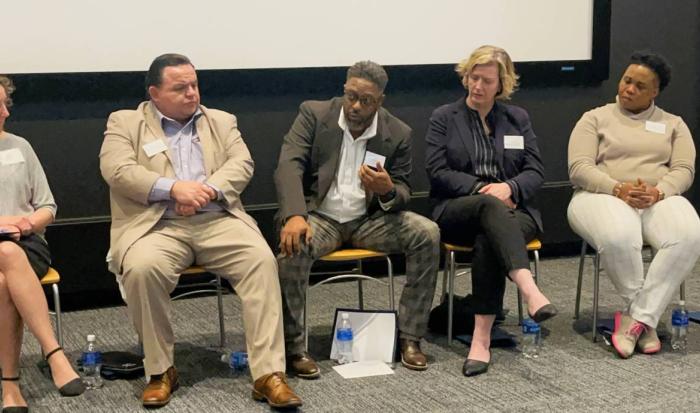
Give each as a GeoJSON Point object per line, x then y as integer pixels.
{"type": "Point", "coordinates": [66, 132]}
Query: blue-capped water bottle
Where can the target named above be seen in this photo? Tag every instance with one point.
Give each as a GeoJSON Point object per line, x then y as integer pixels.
{"type": "Point", "coordinates": [531, 338]}
{"type": "Point", "coordinates": [344, 337]}
{"type": "Point", "coordinates": [92, 364]}
{"type": "Point", "coordinates": [679, 330]}
{"type": "Point", "coordinates": [237, 361]}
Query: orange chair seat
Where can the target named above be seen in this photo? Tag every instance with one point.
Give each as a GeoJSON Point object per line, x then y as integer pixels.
{"type": "Point", "coordinates": [533, 245]}
{"type": "Point", "coordinates": [51, 277]}
{"type": "Point", "coordinates": [351, 255]}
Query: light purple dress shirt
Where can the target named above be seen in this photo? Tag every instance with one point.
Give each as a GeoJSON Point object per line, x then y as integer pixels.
{"type": "Point", "coordinates": [188, 161]}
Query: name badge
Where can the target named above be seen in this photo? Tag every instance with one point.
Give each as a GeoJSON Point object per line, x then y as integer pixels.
{"type": "Point", "coordinates": [11, 157]}
{"type": "Point", "coordinates": [656, 127]}
{"type": "Point", "coordinates": [513, 142]}
{"type": "Point", "coordinates": [372, 158]}
{"type": "Point", "coordinates": [155, 147]}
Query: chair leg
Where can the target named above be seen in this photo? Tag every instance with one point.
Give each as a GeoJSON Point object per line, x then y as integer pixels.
{"type": "Point", "coordinates": [451, 296]}
{"type": "Point", "coordinates": [580, 279]}
{"type": "Point", "coordinates": [596, 282]}
{"type": "Point", "coordinates": [220, 304]}
{"type": "Point", "coordinates": [360, 295]}
{"type": "Point", "coordinates": [445, 272]}
{"type": "Point", "coordinates": [57, 311]}
{"type": "Point", "coordinates": [390, 274]}
{"type": "Point", "coordinates": [683, 291]}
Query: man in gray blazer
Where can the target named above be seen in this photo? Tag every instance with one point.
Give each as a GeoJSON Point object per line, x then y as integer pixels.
{"type": "Point", "coordinates": [342, 179]}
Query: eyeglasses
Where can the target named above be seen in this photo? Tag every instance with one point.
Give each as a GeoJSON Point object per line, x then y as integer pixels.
{"type": "Point", "coordinates": [365, 100]}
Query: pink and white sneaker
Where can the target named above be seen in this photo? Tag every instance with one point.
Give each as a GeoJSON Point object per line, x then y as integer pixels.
{"type": "Point", "coordinates": [649, 342]}
{"type": "Point", "coordinates": [626, 333]}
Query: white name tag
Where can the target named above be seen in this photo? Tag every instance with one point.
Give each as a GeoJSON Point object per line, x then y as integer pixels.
{"type": "Point", "coordinates": [11, 157]}
{"type": "Point", "coordinates": [656, 127]}
{"type": "Point", "coordinates": [372, 158]}
{"type": "Point", "coordinates": [513, 142]}
{"type": "Point", "coordinates": [155, 147]}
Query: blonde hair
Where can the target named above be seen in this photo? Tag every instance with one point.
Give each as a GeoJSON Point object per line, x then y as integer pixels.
{"type": "Point", "coordinates": [491, 54]}
{"type": "Point", "coordinates": [7, 84]}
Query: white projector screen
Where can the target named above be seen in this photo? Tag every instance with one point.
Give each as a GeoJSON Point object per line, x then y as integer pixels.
{"type": "Point", "coordinates": [68, 36]}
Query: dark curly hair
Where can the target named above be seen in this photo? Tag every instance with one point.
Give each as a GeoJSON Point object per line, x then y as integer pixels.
{"type": "Point", "coordinates": [656, 63]}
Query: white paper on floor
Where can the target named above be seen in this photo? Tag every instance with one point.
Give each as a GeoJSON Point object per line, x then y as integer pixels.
{"type": "Point", "coordinates": [363, 369]}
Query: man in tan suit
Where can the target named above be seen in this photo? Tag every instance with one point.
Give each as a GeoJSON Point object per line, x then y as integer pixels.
{"type": "Point", "coordinates": [176, 171]}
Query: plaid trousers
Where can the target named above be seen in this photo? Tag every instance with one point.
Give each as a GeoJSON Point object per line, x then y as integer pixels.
{"type": "Point", "coordinates": [403, 232]}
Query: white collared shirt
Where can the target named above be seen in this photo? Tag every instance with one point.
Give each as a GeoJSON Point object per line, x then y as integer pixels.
{"type": "Point", "coordinates": [346, 198]}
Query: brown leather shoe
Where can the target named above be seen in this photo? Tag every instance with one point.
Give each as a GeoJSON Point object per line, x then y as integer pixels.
{"type": "Point", "coordinates": [411, 355]}
{"type": "Point", "coordinates": [273, 387]}
{"type": "Point", "coordinates": [160, 388]}
{"type": "Point", "coordinates": [303, 366]}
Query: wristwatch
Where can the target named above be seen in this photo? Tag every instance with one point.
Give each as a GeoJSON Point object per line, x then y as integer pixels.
{"type": "Point", "coordinates": [389, 195]}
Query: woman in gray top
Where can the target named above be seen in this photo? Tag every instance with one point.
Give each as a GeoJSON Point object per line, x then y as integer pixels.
{"type": "Point", "coordinates": [26, 208]}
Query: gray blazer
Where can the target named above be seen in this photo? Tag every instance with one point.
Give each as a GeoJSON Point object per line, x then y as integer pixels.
{"type": "Point", "coordinates": [309, 158]}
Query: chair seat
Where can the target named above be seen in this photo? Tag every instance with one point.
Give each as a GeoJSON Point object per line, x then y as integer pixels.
{"type": "Point", "coordinates": [51, 277]}
{"type": "Point", "coordinates": [533, 245]}
{"type": "Point", "coordinates": [195, 269]}
{"type": "Point", "coordinates": [351, 255]}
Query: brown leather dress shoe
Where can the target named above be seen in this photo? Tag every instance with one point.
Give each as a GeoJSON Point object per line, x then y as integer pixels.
{"type": "Point", "coordinates": [303, 366]}
{"type": "Point", "coordinates": [411, 355]}
{"type": "Point", "coordinates": [273, 387]}
{"type": "Point", "coordinates": [160, 388]}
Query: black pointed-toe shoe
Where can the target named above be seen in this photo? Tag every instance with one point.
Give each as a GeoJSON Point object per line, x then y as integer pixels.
{"type": "Point", "coordinates": [545, 312]}
{"type": "Point", "coordinates": [474, 367]}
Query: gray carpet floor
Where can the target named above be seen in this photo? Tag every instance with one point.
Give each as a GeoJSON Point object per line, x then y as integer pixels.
{"type": "Point", "coordinates": [573, 374]}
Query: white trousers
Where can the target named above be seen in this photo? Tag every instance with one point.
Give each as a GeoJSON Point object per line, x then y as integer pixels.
{"type": "Point", "coordinates": [617, 231]}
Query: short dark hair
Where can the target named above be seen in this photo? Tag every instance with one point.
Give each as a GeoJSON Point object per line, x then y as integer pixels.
{"type": "Point", "coordinates": [371, 71]}
{"type": "Point", "coordinates": [657, 63]}
{"type": "Point", "coordinates": [154, 77]}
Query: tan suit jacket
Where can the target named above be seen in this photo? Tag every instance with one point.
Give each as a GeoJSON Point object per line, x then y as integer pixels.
{"type": "Point", "coordinates": [131, 173]}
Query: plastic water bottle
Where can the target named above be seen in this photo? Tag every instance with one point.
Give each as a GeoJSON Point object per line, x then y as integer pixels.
{"type": "Point", "coordinates": [531, 339]}
{"type": "Point", "coordinates": [679, 323]}
{"type": "Point", "coordinates": [92, 364]}
{"type": "Point", "coordinates": [237, 361]}
{"type": "Point", "coordinates": [344, 336]}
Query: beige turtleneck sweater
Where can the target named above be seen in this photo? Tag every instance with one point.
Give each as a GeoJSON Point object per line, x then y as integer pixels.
{"type": "Point", "coordinates": [610, 145]}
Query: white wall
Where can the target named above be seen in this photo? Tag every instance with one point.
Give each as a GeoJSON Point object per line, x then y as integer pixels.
{"type": "Point", "coordinates": [99, 36]}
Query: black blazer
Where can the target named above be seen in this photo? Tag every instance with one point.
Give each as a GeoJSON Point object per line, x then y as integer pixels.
{"type": "Point", "coordinates": [450, 155]}
{"type": "Point", "coordinates": [308, 161]}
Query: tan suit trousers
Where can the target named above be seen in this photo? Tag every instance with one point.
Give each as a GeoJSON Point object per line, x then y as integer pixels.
{"type": "Point", "coordinates": [223, 245]}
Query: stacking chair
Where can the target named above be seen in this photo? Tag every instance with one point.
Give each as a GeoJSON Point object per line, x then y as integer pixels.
{"type": "Point", "coordinates": [450, 272]}
{"type": "Point", "coordinates": [206, 287]}
{"type": "Point", "coordinates": [356, 255]}
{"type": "Point", "coordinates": [52, 278]}
{"type": "Point", "coordinates": [596, 285]}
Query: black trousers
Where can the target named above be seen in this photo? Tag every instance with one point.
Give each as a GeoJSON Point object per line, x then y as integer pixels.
{"type": "Point", "coordinates": [499, 236]}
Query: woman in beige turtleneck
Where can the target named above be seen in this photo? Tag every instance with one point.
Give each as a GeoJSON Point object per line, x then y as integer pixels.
{"type": "Point", "coordinates": [630, 162]}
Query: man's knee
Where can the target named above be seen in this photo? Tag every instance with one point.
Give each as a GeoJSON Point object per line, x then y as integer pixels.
{"type": "Point", "coordinates": [141, 270]}
{"type": "Point", "coordinates": [423, 229]}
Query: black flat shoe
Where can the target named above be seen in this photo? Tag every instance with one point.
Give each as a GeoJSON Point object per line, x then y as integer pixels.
{"type": "Point", "coordinates": [474, 367]}
{"type": "Point", "coordinates": [545, 312]}
{"type": "Point", "coordinates": [14, 409]}
{"type": "Point", "coordinates": [75, 387]}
